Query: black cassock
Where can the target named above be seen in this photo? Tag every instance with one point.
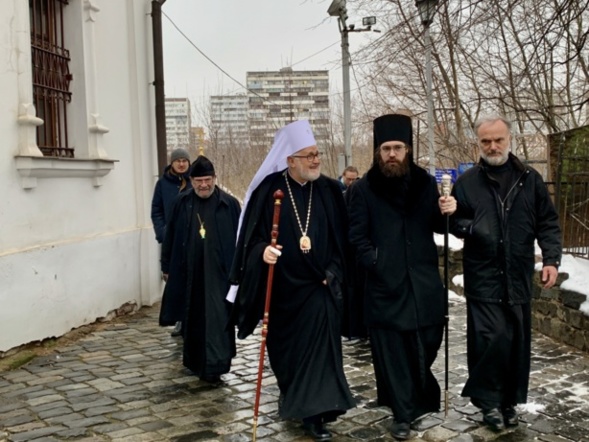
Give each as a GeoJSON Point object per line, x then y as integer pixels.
{"type": "Point", "coordinates": [208, 344]}
{"type": "Point", "coordinates": [304, 343]}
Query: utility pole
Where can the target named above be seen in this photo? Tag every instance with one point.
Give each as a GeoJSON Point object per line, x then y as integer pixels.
{"type": "Point", "coordinates": [427, 10]}
{"type": "Point", "coordinates": [338, 9]}
{"type": "Point", "coordinates": [346, 91]}
{"type": "Point", "coordinates": [158, 82]}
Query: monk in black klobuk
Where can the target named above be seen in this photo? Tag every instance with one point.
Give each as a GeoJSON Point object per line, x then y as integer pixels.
{"type": "Point", "coordinates": [394, 211]}
{"type": "Point", "coordinates": [197, 254]}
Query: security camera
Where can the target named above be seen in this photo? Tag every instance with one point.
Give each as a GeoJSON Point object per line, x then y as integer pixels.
{"type": "Point", "coordinates": [335, 7]}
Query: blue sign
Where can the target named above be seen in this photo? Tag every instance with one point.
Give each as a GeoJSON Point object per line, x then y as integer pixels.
{"type": "Point", "coordinates": [463, 167]}
{"type": "Point", "coordinates": [452, 172]}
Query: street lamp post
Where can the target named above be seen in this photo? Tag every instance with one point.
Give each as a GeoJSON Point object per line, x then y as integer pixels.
{"type": "Point", "coordinates": [337, 8]}
{"type": "Point", "coordinates": [427, 9]}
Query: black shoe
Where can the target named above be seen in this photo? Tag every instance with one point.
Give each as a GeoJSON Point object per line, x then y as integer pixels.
{"type": "Point", "coordinates": [493, 419]}
{"type": "Point", "coordinates": [401, 430]}
{"type": "Point", "coordinates": [177, 329]}
{"type": "Point", "coordinates": [510, 416]}
{"type": "Point", "coordinates": [214, 380]}
{"type": "Point", "coordinates": [316, 431]}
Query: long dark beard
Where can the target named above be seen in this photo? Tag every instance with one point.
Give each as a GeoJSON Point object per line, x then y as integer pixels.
{"type": "Point", "coordinates": [393, 171]}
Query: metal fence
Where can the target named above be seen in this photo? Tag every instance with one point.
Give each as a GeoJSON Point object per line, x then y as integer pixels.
{"type": "Point", "coordinates": [569, 170]}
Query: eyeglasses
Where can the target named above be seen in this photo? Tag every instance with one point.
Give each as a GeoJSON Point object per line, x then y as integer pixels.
{"type": "Point", "coordinates": [396, 149]}
{"type": "Point", "coordinates": [310, 158]}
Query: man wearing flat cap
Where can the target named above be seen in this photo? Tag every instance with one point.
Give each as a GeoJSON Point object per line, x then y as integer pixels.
{"type": "Point", "coordinates": [394, 210]}
{"type": "Point", "coordinates": [304, 344]}
{"type": "Point", "coordinates": [196, 257]}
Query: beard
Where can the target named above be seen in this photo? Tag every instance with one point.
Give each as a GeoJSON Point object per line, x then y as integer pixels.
{"type": "Point", "coordinates": [393, 169]}
{"type": "Point", "coordinates": [310, 174]}
{"type": "Point", "coordinates": [496, 160]}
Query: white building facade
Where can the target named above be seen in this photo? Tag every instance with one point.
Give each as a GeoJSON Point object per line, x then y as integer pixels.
{"type": "Point", "coordinates": [277, 98]}
{"type": "Point", "coordinates": [178, 123]}
{"type": "Point", "coordinates": [229, 120]}
{"type": "Point", "coordinates": [78, 164]}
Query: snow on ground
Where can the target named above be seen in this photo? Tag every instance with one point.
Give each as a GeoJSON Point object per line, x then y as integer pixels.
{"type": "Point", "coordinates": [458, 280]}
{"type": "Point", "coordinates": [577, 269]}
{"type": "Point", "coordinates": [578, 282]}
{"type": "Point", "coordinates": [531, 407]}
{"type": "Point", "coordinates": [453, 296]}
{"type": "Point", "coordinates": [453, 242]}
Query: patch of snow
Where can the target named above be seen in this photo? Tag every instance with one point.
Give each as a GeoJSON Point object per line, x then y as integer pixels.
{"type": "Point", "coordinates": [453, 242]}
{"type": "Point", "coordinates": [531, 407]}
{"type": "Point", "coordinates": [458, 280]}
{"type": "Point", "coordinates": [453, 296]}
{"type": "Point", "coordinates": [584, 308]}
{"type": "Point", "coordinates": [578, 269]}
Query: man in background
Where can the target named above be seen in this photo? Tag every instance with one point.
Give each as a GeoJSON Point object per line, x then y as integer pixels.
{"type": "Point", "coordinates": [349, 175]}
{"type": "Point", "coordinates": [174, 180]}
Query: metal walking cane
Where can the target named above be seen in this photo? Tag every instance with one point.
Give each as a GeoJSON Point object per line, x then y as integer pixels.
{"type": "Point", "coordinates": [278, 196]}
{"type": "Point", "coordinates": [446, 184]}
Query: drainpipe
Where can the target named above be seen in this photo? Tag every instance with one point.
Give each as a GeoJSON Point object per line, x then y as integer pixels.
{"type": "Point", "coordinates": [158, 82]}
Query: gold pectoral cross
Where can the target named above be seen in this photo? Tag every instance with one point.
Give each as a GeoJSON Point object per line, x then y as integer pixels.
{"type": "Point", "coordinates": [202, 230]}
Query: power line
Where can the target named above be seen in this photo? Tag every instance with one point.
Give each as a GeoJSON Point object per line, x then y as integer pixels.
{"type": "Point", "coordinates": [223, 70]}
{"type": "Point", "coordinates": [206, 56]}
{"type": "Point", "coordinates": [316, 53]}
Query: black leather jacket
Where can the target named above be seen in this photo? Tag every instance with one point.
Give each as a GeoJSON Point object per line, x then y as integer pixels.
{"type": "Point", "coordinates": [499, 235]}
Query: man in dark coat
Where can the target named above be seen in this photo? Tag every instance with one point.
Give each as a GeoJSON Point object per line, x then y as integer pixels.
{"type": "Point", "coordinates": [174, 180]}
{"type": "Point", "coordinates": [304, 343]}
{"type": "Point", "coordinates": [196, 258]}
{"type": "Point", "coordinates": [394, 210]}
{"type": "Point", "coordinates": [503, 207]}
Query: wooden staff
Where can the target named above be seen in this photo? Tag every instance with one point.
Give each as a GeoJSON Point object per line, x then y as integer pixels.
{"type": "Point", "coordinates": [446, 184]}
{"type": "Point", "coordinates": [278, 196]}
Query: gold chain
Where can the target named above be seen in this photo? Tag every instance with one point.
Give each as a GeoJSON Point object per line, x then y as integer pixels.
{"type": "Point", "coordinates": [294, 206]}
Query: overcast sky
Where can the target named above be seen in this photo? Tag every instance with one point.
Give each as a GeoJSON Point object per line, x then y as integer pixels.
{"type": "Point", "coordinates": [246, 35]}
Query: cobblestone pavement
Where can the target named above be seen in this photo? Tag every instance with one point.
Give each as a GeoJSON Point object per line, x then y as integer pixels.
{"type": "Point", "coordinates": [127, 383]}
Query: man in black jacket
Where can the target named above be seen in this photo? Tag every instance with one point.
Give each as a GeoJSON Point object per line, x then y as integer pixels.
{"type": "Point", "coordinates": [173, 181]}
{"type": "Point", "coordinates": [196, 257]}
{"type": "Point", "coordinates": [394, 210]}
{"type": "Point", "coordinates": [503, 208]}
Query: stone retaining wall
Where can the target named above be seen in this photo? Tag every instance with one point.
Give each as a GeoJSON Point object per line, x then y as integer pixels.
{"type": "Point", "coordinates": [555, 312]}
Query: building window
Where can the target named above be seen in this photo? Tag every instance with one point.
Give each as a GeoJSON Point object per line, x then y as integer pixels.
{"type": "Point", "coordinates": [51, 76]}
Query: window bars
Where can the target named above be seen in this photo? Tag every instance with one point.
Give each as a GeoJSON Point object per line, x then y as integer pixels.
{"type": "Point", "coordinates": [51, 76]}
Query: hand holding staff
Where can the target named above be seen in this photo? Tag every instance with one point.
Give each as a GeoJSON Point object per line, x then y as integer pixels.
{"type": "Point", "coordinates": [270, 257]}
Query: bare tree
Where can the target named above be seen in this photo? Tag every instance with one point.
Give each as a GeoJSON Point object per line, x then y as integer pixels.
{"type": "Point", "coordinates": [524, 58]}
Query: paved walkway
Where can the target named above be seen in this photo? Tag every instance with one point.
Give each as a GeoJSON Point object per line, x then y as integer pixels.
{"type": "Point", "coordinates": [127, 383]}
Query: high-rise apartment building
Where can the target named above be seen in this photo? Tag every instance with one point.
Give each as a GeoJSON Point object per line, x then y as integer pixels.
{"type": "Point", "coordinates": [277, 98]}
{"type": "Point", "coordinates": [178, 122]}
{"type": "Point", "coordinates": [229, 120]}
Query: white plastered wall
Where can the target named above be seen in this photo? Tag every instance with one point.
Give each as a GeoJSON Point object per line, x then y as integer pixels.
{"type": "Point", "coordinates": [72, 248]}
